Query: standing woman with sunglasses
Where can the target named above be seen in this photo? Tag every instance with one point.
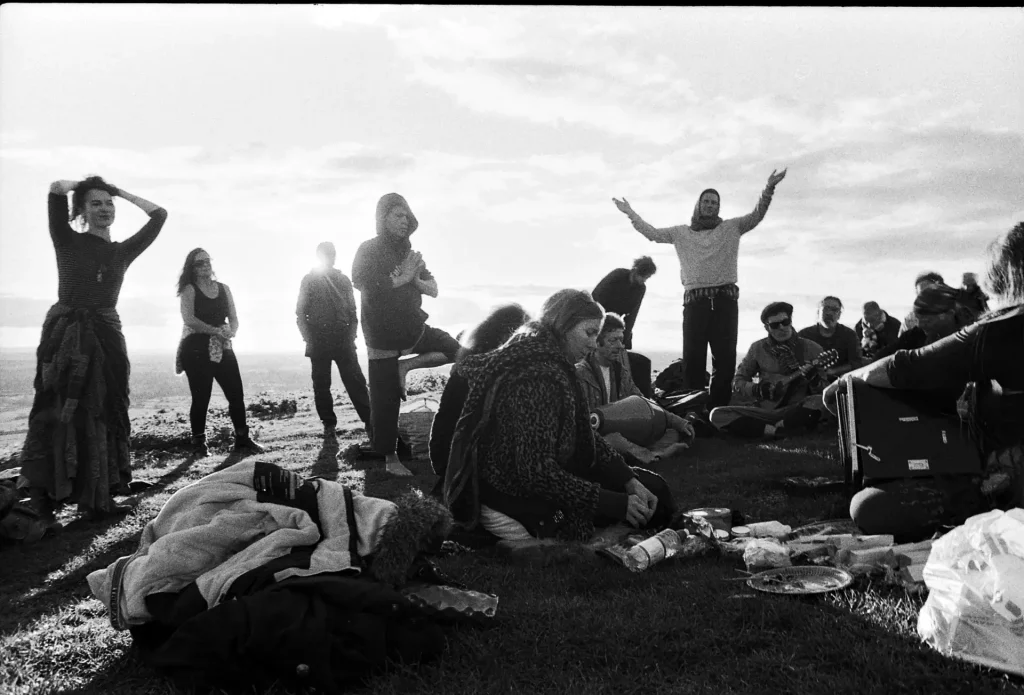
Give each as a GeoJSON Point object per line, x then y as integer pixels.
{"type": "Point", "coordinates": [205, 353]}
{"type": "Point", "coordinates": [78, 443]}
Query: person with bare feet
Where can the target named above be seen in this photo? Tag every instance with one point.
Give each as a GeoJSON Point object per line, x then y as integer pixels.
{"type": "Point", "coordinates": [78, 446]}
{"type": "Point", "coordinates": [605, 377]}
{"type": "Point", "coordinates": [392, 278]}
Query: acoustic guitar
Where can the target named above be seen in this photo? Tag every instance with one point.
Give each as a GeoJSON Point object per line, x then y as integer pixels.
{"type": "Point", "coordinates": [794, 381]}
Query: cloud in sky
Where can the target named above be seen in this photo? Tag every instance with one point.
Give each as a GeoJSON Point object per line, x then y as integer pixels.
{"type": "Point", "coordinates": [509, 130]}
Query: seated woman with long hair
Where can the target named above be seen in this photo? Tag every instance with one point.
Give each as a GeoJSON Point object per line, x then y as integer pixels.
{"type": "Point", "coordinates": [487, 335]}
{"type": "Point", "coordinates": [524, 460]}
{"type": "Point", "coordinates": [983, 364]}
{"type": "Point", "coordinates": [205, 353]}
{"type": "Point", "coordinates": [78, 443]}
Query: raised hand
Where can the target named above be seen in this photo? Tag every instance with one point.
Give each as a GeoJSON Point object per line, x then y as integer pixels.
{"type": "Point", "coordinates": [776, 177]}
{"type": "Point", "coordinates": [623, 206]}
{"type": "Point", "coordinates": [62, 187]}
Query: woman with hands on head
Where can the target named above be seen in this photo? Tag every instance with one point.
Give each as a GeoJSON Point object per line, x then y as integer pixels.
{"type": "Point", "coordinates": [525, 462]}
{"type": "Point", "coordinates": [205, 354]}
{"type": "Point", "coordinates": [78, 442]}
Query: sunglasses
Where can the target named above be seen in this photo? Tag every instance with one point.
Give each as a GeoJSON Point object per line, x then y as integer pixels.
{"type": "Point", "coordinates": [201, 262]}
{"type": "Point", "coordinates": [775, 325]}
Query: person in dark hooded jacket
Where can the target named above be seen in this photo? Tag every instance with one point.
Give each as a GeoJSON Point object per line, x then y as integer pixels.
{"type": "Point", "coordinates": [392, 278]}
{"type": "Point", "coordinates": [708, 248]}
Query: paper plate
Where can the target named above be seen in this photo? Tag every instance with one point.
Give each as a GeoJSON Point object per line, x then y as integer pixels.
{"type": "Point", "coordinates": [801, 581]}
{"type": "Point", "coordinates": [829, 527]}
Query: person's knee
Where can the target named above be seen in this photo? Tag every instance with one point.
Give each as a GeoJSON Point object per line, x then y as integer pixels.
{"type": "Point", "coordinates": [879, 511]}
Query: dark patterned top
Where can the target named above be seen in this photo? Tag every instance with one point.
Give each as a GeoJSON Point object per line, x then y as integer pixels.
{"type": "Point", "coordinates": [534, 439]}
{"type": "Point", "coordinates": [90, 270]}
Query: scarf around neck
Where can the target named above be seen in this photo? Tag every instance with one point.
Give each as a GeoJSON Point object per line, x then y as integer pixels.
{"type": "Point", "coordinates": [787, 354]}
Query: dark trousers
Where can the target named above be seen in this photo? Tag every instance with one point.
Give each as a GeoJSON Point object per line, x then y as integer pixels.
{"type": "Point", "coordinates": [711, 322]}
{"type": "Point", "coordinates": [201, 373]}
{"type": "Point", "coordinates": [385, 403]}
{"type": "Point", "coordinates": [351, 377]}
{"type": "Point", "coordinates": [640, 367]}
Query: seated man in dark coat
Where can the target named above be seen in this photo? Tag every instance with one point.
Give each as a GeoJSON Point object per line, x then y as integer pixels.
{"type": "Point", "coordinates": [832, 335]}
{"type": "Point", "coordinates": [876, 331]}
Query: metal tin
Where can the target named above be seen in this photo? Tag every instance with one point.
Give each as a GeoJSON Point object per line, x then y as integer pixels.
{"type": "Point", "coordinates": [740, 532]}
{"type": "Point", "coordinates": [719, 517]}
{"type": "Point", "coordinates": [721, 535]}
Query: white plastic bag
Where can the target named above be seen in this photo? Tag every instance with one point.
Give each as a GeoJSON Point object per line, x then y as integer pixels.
{"type": "Point", "coordinates": [975, 578]}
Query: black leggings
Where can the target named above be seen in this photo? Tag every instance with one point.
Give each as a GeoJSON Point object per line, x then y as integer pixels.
{"type": "Point", "coordinates": [201, 373]}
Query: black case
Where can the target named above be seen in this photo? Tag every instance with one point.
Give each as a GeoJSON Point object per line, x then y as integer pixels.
{"type": "Point", "coordinates": [886, 434]}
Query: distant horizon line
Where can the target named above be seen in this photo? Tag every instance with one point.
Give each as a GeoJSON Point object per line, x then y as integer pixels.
{"type": "Point", "coordinates": [155, 351]}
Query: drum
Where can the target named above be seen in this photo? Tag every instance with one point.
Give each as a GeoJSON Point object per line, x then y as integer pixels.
{"type": "Point", "coordinates": [635, 418]}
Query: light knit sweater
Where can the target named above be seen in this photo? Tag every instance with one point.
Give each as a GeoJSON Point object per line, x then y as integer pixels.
{"type": "Point", "coordinates": [708, 258]}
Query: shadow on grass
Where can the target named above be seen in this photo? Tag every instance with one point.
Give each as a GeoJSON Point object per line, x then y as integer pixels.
{"type": "Point", "coordinates": [64, 560]}
{"type": "Point", "coordinates": [326, 464]}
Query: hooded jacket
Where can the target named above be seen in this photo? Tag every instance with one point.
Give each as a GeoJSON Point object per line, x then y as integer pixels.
{"type": "Point", "coordinates": [392, 317]}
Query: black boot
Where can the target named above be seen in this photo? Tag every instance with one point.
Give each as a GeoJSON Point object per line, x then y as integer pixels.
{"type": "Point", "coordinates": [40, 504]}
{"type": "Point", "coordinates": [199, 448]}
{"type": "Point", "coordinates": [244, 444]}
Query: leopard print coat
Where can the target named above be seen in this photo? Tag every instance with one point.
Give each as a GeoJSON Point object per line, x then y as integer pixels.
{"type": "Point", "coordinates": [525, 431]}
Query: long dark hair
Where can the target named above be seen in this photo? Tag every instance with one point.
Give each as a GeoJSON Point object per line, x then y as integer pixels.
{"type": "Point", "coordinates": [188, 271]}
{"type": "Point", "coordinates": [494, 330]}
{"type": "Point", "coordinates": [90, 183]}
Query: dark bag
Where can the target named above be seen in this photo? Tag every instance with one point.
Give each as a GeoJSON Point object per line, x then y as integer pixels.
{"type": "Point", "coordinates": [682, 402]}
{"type": "Point", "coordinates": [672, 378]}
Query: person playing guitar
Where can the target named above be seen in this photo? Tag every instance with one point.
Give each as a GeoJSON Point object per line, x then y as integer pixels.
{"type": "Point", "coordinates": [786, 396]}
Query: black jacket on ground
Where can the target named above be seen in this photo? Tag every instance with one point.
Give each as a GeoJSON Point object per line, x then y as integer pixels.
{"type": "Point", "coordinates": [326, 631]}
